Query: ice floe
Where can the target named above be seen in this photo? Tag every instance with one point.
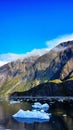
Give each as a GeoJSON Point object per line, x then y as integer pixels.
{"type": "Point", "coordinates": [38, 105]}
{"type": "Point", "coordinates": [14, 102]}
{"type": "Point", "coordinates": [32, 116]}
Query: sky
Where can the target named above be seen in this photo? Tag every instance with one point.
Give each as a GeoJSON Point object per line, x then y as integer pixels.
{"type": "Point", "coordinates": [27, 25]}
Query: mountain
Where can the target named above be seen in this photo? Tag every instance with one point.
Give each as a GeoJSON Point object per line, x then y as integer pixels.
{"type": "Point", "coordinates": [24, 74]}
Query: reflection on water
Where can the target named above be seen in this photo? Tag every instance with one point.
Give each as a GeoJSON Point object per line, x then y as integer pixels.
{"type": "Point", "coordinates": [61, 118]}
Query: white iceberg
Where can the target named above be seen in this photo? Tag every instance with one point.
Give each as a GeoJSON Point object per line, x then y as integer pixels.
{"type": "Point", "coordinates": [38, 105]}
{"type": "Point", "coordinates": [31, 116]}
{"type": "Point", "coordinates": [14, 102]}
{"type": "Point", "coordinates": [45, 107]}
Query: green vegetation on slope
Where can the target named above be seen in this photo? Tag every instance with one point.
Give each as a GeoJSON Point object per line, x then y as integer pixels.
{"type": "Point", "coordinates": [55, 81]}
{"type": "Point", "coordinates": [8, 85]}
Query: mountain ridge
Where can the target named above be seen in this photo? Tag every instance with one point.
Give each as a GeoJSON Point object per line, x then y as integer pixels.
{"type": "Point", "coordinates": [56, 64]}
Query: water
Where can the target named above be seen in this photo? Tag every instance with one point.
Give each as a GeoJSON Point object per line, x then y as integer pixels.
{"type": "Point", "coordinates": [61, 119]}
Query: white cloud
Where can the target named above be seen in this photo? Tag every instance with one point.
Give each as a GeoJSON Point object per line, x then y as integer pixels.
{"type": "Point", "coordinates": [38, 52]}
{"type": "Point", "coordinates": [2, 63]}
{"type": "Point", "coordinates": [52, 43]}
{"type": "Point", "coordinates": [5, 58]}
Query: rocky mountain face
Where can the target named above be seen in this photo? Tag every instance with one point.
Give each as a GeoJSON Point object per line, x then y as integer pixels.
{"type": "Point", "coordinates": [57, 63]}
{"type": "Point", "coordinates": [24, 74]}
{"type": "Point", "coordinates": [13, 69]}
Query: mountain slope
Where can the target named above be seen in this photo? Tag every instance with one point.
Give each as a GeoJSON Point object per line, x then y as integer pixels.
{"type": "Point", "coordinates": [56, 64]}
{"type": "Point", "coordinates": [49, 89]}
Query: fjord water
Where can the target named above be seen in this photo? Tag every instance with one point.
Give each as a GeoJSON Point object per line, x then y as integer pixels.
{"type": "Point", "coordinates": [61, 119]}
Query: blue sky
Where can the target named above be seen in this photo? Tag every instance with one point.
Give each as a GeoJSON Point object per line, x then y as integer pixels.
{"type": "Point", "coordinates": [26, 25]}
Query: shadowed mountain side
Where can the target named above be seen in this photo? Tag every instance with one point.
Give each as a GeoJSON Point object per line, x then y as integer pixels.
{"type": "Point", "coordinates": [49, 89]}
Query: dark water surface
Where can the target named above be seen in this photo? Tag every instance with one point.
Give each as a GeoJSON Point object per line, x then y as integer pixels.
{"type": "Point", "coordinates": [61, 119]}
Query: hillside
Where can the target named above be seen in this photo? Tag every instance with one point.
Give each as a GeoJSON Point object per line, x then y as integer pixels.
{"type": "Point", "coordinates": [22, 75]}
{"type": "Point", "coordinates": [49, 89]}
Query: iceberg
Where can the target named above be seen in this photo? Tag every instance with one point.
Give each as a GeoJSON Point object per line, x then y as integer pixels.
{"type": "Point", "coordinates": [45, 107]}
{"type": "Point", "coordinates": [38, 105]}
{"type": "Point", "coordinates": [31, 116]}
{"type": "Point", "coordinates": [14, 102]}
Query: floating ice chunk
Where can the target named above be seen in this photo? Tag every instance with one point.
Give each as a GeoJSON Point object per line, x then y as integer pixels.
{"type": "Point", "coordinates": [45, 106]}
{"type": "Point", "coordinates": [38, 105]}
{"type": "Point", "coordinates": [32, 116]}
{"type": "Point", "coordinates": [14, 102]}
